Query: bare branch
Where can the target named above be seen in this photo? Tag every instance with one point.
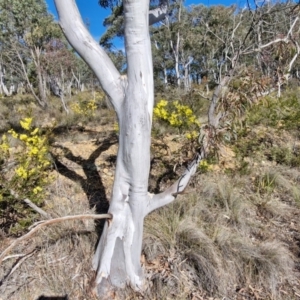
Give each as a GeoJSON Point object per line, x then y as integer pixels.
{"type": "Point", "coordinates": [97, 59]}
{"type": "Point", "coordinates": [36, 208]}
{"type": "Point", "coordinates": [294, 58]}
{"type": "Point", "coordinates": [168, 196]}
{"type": "Point", "coordinates": [36, 226]}
{"type": "Point", "coordinates": [28, 82]}
{"type": "Point", "coordinates": [210, 31]}
{"type": "Point", "coordinates": [14, 256]}
{"type": "Point", "coordinates": [158, 14]}
{"type": "Point", "coordinates": [32, 205]}
{"type": "Point", "coordinates": [202, 96]}
{"type": "Point", "coordinates": [286, 39]}
{"type": "Point", "coordinates": [18, 264]}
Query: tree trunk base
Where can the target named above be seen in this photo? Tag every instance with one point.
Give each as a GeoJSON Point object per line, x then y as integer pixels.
{"type": "Point", "coordinates": [105, 290]}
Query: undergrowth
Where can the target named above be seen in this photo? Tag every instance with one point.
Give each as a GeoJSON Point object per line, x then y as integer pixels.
{"type": "Point", "coordinates": [282, 113]}
{"type": "Point", "coordinates": [214, 243]}
{"type": "Point", "coordinates": [25, 172]}
{"type": "Point", "coordinates": [231, 235]}
{"type": "Point", "coordinates": [269, 130]}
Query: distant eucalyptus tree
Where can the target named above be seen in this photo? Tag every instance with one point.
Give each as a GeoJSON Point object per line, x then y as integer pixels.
{"type": "Point", "coordinates": [25, 28]}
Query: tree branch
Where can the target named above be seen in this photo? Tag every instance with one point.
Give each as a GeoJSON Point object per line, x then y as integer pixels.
{"type": "Point", "coordinates": [32, 205]}
{"type": "Point", "coordinates": [28, 81]}
{"type": "Point", "coordinates": [168, 196]}
{"type": "Point", "coordinates": [158, 14]}
{"type": "Point", "coordinates": [97, 59]}
{"type": "Point", "coordinates": [293, 59]}
{"type": "Point", "coordinates": [36, 226]}
{"type": "Point", "coordinates": [36, 208]}
{"type": "Point", "coordinates": [283, 40]}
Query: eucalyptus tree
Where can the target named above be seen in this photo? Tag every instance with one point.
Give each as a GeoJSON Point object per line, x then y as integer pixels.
{"type": "Point", "coordinates": [117, 258]}
{"type": "Point", "coordinates": [163, 62]}
{"type": "Point", "coordinates": [275, 36]}
{"type": "Point", "coordinates": [25, 28]}
{"type": "Point", "coordinates": [115, 26]}
{"type": "Point", "coordinates": [242, 41]}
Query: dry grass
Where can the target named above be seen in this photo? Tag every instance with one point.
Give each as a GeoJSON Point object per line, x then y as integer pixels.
{"type": "Point", "coordinates": [223, 245]}
{"type": "Point", "coordinates": [215, 241]}
{"type": "Point", "coordinates": [61, 260]}
{"type": "Point", "coordinates": [230, 237]}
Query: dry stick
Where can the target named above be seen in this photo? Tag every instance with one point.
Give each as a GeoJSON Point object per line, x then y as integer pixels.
{"type": "Point", "coordinates": [19, 264]}
{"type": "Point", "coordinates": [40, 224]}
{"type": "Point", "coordinates": [36, 208]}
{"type": "Point", "coordinates": [13, 256]}
{"type": "Point", "coordinates": [32, 205]}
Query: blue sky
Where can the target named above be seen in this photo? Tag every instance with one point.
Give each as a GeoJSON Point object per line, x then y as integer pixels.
{"type": "Point", "coordinates": [92, 13]}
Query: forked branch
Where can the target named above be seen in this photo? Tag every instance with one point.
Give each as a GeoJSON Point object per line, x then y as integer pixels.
{"type": "Point", "coordinates": [169, 195]}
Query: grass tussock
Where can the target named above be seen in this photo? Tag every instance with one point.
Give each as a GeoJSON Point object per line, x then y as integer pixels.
{"type": "Point", "coordinates": [222, 242]}
{"type": "Point", "coordinates": [59, 260]}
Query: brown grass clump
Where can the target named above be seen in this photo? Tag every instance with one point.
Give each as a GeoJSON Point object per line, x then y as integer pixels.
{"type": "Point", "coordinates": [222, 246]}
{"type": "Point", "coordinates": [56, 261]}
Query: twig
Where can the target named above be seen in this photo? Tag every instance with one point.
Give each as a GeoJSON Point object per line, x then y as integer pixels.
{"type": "Point", "coordinates": [13, 256]}
{"type": "Point", "coordinates": [38, 225]}
{"type": "Point", "coordinates": [17, 265]}
{"type": "Point", "coordinates": [36, 208]}
{"type": "Point", "coordinates": [32, 205]}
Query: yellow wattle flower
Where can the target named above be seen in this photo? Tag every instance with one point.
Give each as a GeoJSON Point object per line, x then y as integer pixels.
{"type": "Point", "coordinates": [26, 123]}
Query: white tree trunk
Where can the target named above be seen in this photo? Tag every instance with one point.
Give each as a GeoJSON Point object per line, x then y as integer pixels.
{"type": "Point", "coordinates": [187, 79]}
{"type": "Point", "coordinates": [117, 258]}
{"type": "Point", "coordinates": [176, 58]}
{"type": "Point", "coordinates": [3, 88]}
{"type": "Point", "coordinates": [165, 77]}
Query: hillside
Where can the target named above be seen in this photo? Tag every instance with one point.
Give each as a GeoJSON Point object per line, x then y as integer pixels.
{"type": "Point", "coordinates": [233, 234]}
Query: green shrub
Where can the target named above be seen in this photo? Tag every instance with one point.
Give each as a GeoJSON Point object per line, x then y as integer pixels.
{"type": "Point", "coordinates": [281, 112]}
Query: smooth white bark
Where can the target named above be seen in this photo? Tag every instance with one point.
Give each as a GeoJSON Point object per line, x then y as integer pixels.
{"type": "Point", "coordinates": [117, 258]}
{"type": "Point", "coordinates": [79, 37]}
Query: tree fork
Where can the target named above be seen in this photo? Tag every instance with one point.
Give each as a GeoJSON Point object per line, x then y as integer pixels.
{"type": "Point", "coordinates": [117, 258]}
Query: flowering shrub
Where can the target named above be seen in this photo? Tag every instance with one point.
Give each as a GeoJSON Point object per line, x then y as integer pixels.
{"type": "Point", "coordinates": [192, 135]}
{"type": "Point", "coordinates": [204, 166]}
{"type": "Point", "coordinates": [30, 175]}
{"type": "Point", "coordinates": [85, 108]}
{"type": "Point", "coordinates": [177, 115]}
{"type": "Point", "coordinates": [116, 127]}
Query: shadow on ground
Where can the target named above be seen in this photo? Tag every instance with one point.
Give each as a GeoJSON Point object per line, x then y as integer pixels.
{"type": "Point", "coordinates": [92, 185]}
{"type": "Point", "coordinates": [52, 298]}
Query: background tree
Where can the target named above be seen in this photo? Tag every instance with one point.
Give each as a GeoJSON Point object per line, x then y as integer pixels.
{"type": "Point", "coordinates": [25, 28]}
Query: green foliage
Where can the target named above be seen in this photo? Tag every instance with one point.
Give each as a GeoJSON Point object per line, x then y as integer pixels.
{"type": "Point", "coordinates": [178, 116]}
{"type": "Point", "coordinates": [26, 21]}
{"type": "Point", "coordinates": [266, 183]}
{"type": "Point", "coordinates": [260, 144]}
{"type": "Point", "coordinates": [280, 113]}
{"type": "Point", "coordinates": [270, 141]}
{"type": "Point", "coordinates": [26, 28]}
{"type": "Point", "coordinates": [27, 179]}
{"type": "Point", "coordinates": [285, 156]}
